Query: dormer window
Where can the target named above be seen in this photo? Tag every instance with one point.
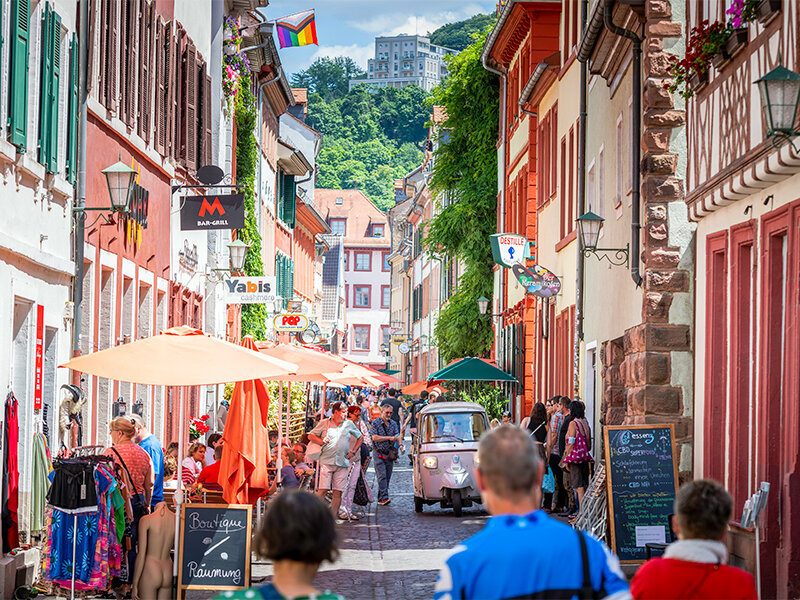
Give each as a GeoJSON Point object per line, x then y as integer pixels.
{"type": "Point", "coordinates": [339, 201]}
{"type": "Point", "coordinates": [378, 230]}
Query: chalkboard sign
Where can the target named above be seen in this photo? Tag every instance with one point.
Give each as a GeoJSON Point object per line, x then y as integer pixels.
{"type": "Point", "coordinates": [215, 546]}
{"type": "Point", "coordinates": [641, 479]}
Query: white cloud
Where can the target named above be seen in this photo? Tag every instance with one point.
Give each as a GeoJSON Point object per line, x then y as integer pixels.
{"type": "Point", "coordinates": [359, 54]}
{"type": "Point", "coordinates": [397, 23]}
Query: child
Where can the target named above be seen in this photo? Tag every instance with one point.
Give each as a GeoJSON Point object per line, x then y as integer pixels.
{"type": "Point", "coordinates": [694, 566]}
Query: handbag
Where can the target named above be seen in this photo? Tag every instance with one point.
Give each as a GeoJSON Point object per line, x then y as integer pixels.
{"type": "Point", "coordinates": [360, 495]}
{"type": "Point", "coordinates": [549, 482]}
{"type": "Point", "coordinates": [580, 450]}
{"type": "Point", "coordinates": [392, 454]}
{"type": "Point", "coordinates": [313, 450]}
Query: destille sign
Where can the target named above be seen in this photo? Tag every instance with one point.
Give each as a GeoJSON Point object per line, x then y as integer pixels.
{"type": "Point", "coordinates": [212, 211]}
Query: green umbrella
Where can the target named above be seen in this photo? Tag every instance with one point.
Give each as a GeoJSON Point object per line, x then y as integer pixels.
{"type": "Point", "coordinates": [388, 371]}
{"type": "Point", "coordinates": [470, 369]}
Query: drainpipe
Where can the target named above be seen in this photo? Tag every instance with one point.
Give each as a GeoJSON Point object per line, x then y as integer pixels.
{"type": "Point", "coordinates": [502, 175]}
{"type": "Point", "coordinates": [582, 120]}
{"type": "Point", "coordinates": [636, 134]}
{"type": "Point", "coordinates": [80, 201]}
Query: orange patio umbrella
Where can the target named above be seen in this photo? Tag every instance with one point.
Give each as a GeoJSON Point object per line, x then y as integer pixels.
{"type": "Point", "coordinates": [180, 356]}
{"type": "Point", "coordinates": [414, 389]}
{"type": "Point", "coordinates": [243, 467]}
{"type": "Point", "coordinates": [311, 364]}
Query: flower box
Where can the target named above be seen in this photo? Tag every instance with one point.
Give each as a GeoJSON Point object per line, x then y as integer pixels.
{"type": "Point", "coordinates": [736, 41]}
{"type": "Point", "coordinates": [766, 10]}
{"type": "Point", "coordinates": [697, 82]}
{"type": "Point", "coordinates": [720, 59]}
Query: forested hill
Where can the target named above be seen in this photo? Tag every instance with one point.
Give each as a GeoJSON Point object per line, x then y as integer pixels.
{"type": "Point", "coordinates": [459, 35]}
{"type": "Point", "coordinates": [370, 136]}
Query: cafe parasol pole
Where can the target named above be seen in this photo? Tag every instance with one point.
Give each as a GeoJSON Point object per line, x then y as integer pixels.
{"type": "Point", "coordinates": [179, 490]}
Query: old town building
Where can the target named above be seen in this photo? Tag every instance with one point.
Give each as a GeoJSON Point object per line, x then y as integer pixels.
{"type": "Point", "coordinates": [364, 229]}
{"type": "Point", "coordinates": [741, 191]}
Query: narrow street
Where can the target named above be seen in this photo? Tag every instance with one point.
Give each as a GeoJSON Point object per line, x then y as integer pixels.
{"type": "Point", "coordinates": [395, 552]}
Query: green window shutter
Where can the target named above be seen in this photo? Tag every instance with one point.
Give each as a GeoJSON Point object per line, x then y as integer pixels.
{"type": "Point", "coordinates": [291, 199]}
{"type": "Point", "coordinates": [51, 71]}
{"type": "Point", "coordinates": [18, 76]}
{"type": "Point", "coordinates": [279, 203]}
{"type": "Point", "coordinates": [72, 114]}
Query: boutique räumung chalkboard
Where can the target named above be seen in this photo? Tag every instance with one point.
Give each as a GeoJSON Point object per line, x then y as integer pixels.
{"type": "Point", "coordinates": [215, 546]}
{"type": "Point", "coordinates": [641, 480]}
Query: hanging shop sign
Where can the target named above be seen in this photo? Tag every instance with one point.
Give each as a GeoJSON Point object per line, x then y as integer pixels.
{"type": "Point", "coordinates": [290, 322]}
{"type": "Point", "coordinates": [250, 290]}
{"type": "Point", "coordinates": [136, 217]}
{"type": "Point", "coordinates": [509, 249]}
{"type": "Point", "coordinates": [212, 211]}
{"type": "Point", "coordinates": [537, 280]}
{"type": "Point", "coordinates": [37, 376]}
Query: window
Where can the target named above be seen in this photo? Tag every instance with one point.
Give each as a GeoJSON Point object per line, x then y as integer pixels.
{"type": "Point", "coordinates": [361, 337]}
{"type": "Point", "coordinates": [386, 294]}
{"type": "Point", "coordinates": [287, 198]}
{"type": "Point", "coordinates": [346, 255]}
{"type": "Point", "coordinates": [601, 197]}
{"type": "Point", "coordinates": [378, 230]}
{"type": "Point", "coordinates": [361, 296]}
{"type": "Point", "coordinates": [619, 175]}
{"type": "Point", "coordinates": [363, 261]}
{"type": "Point", "coordinates": [386, 265]}
{"type": "Point", "coordinates": [386, 335]}
{"type": "Point", "coordinates": [338, 226]}
{"type": "Point", "coordinates": [340, 200]}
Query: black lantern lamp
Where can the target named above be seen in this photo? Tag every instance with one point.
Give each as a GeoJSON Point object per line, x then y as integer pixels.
{"type": "Point", "coordinates": [119, 408]}
{"type": "Point", "coordinates": [589, 227]}
{"type": "Point", "coordinates": [780, 94]}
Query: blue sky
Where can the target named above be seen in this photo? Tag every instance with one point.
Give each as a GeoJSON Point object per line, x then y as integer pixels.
{"type": "Point", "coordinates": [349, 27]}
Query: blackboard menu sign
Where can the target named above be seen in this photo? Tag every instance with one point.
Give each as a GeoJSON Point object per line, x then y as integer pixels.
{"type": "Point", "coordinates": [641, 479]}
{"type": "Point", "coordinates": [215, 546]}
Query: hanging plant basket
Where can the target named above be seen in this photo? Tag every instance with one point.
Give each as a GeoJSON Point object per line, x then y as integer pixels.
{"type": "Point", "coordinates": [766, 10]}
{"type": "Point", "coordinates": [736, 41]}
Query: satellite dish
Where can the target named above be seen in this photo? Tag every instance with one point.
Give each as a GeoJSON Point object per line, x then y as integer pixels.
{"type": "Point", "coordinates": [210, 174]}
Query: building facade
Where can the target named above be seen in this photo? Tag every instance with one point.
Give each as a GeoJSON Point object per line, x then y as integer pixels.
{"type": "Point", "coordinates": [741, 191]}
{"type": "Point", "coordinates": [38, 146]}
{"type": "Point", "coordinates": [364, 230]}
{"type": "Point", "coordinates": [404, 60]}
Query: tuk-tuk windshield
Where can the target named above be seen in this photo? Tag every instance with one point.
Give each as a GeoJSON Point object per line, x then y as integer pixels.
{"type": "Point", "coordinates": [459, 427]}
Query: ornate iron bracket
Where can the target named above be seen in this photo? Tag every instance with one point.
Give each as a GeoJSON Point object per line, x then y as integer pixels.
{"type": "Point", "coordinates": [616, 256]}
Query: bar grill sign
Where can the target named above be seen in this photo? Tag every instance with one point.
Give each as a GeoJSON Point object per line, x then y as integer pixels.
{"type": "Point", "coordinates": [212, 211]}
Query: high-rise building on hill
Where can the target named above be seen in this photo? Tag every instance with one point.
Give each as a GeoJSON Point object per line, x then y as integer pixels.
{"type": "Point", "coordinates": [405, 59]}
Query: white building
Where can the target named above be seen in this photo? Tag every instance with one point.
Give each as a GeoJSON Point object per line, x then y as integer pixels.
{"type": "Point", "coordinates": [364, 229]}
{"type": "Point", "coordinates": [404, 60]}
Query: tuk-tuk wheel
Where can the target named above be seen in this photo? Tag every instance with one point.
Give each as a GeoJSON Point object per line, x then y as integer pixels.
{"type": "Point", "coordinates": [417, 504]}
{"type": "Point", "coordinates": [457, 503]}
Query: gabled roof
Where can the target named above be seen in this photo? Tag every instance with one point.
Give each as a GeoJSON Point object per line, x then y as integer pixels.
{"type": "Point", "coordinates": [359, 211]}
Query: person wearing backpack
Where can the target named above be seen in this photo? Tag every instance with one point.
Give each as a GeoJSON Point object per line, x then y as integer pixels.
{"type": "Point", "coordinates": [577, 457]}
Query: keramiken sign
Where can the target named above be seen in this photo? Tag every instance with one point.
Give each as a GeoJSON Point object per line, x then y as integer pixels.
{"type": "Point", "coordinates": [212, 211]}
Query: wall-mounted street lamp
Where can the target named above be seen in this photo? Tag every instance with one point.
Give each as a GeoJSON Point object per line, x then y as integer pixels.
{"type": "Point", "coordinates": [483, 306]}
{"type": "Point", "coordinates": [589, 226]}
{"type": "Point", "coordinates": [120, 179]}
{"type": "Point", "coordinates": [237, 252]}
{"type": "Point", "coordinates": [780, 94]}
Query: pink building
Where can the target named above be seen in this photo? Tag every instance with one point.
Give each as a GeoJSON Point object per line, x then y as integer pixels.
{"type": "Point", "coordinates": [367, 281]}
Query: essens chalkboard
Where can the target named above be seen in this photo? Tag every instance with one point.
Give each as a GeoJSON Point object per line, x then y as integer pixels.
{"type": "Point", "coordinates": [215, 546]}
{"type": "Point", "coordinates": [641, 480]}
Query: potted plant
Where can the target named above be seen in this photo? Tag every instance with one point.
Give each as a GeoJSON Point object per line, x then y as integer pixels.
{"type": "Point", "coordinates": [197, 427]}
{"type": "Point", "coordinates": [706, 41]}
{"type": "Point", "coordinates": [766, 10]}
{"type": "Point", "coordinates": [736, 41]}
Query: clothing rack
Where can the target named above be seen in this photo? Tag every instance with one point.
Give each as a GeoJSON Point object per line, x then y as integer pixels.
{"type": "Point", "coordinates": [90, 452]}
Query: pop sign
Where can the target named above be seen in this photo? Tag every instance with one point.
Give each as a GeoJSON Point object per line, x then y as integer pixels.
{"type": "Point", "coordinates": [290, 322]}
{"type": "Point", "coordinates": [509, 249]}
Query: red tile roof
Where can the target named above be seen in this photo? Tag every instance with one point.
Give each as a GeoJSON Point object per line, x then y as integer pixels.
{"type": "Point", "coordinates": [360, 213]}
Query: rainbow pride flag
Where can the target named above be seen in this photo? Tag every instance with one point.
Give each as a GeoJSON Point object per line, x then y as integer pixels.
{"type": "Point", "coordinates": [298, 29]}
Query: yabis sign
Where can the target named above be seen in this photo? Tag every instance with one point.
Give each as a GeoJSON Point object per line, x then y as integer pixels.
{"type": "Point", "coordinates": [250, 290]}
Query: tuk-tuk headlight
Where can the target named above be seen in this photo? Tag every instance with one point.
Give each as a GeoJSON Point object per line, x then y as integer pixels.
{"type": "Point", "coordinates": [430, 462]}
{"type": "Point", "coordinates": [476, 459]}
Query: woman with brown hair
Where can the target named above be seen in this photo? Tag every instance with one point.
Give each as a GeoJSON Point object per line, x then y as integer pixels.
{"type": "Point", "coordinates": [135, 470]}
{"type": "Point", "coordinates": [193, 463]}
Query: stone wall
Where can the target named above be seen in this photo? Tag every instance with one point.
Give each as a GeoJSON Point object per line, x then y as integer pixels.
{"type": "Point", "coordinates": [647, 372]}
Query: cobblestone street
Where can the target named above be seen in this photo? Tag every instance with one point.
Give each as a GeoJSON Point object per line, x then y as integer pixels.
{"type": "Point", "coordinates": [393, 554]}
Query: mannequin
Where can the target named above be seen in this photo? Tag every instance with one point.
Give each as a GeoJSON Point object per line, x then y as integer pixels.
{"type": "Point", "coordinates": [152, 579]}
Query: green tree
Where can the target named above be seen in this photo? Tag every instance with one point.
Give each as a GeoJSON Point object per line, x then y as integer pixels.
{"type": "Point", "coordinates": [329, 77]}
{"type": "Point", "coordinates": [460, 35]}
{"type": "Point", "coordinates": [465, 169]}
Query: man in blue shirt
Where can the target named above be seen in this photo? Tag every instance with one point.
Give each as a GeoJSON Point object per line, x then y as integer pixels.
{"type": "Point", "coordinates": [150, 444]}
{"type": "Point", "coordinates": [522, 552]}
